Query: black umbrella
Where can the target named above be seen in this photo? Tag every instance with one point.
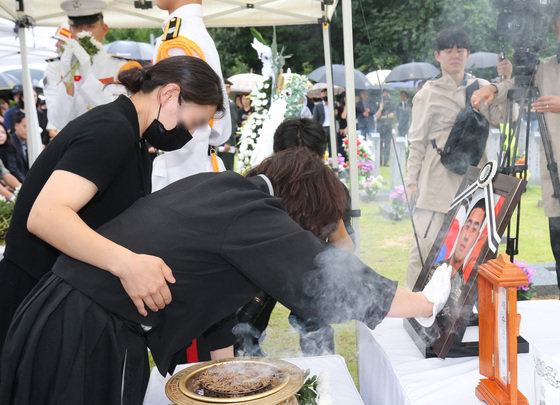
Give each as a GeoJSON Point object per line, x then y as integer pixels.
{"type": "Point", "coordinates": [482, 60]}
{"type": "Point", "coordinates": [412, 71]}
{"type": "Point", "coordinates": [339, 77]}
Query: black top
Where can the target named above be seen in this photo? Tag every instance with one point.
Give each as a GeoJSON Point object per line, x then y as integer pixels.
{"type": "Point", "coordinates": [342, 121]}
{"type": "Point", "coordinates": [243, 115]}
{"type": "Point", "coordinates": [102, 146]}
{"type": "Point", "coordinates": [361, 108]}
{"type": "Point", "coordinates": [225, 239]}
{"type": "Point", "coordinates": [386, 124]}
{"type": "Point", "coordinates": [14, 157]}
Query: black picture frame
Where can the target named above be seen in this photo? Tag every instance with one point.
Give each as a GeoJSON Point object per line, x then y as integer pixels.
{"type": "Point", "coordinates": [438, 339]}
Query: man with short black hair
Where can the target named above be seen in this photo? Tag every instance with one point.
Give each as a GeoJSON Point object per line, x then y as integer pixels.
{"type": "Point", "coordinates": [434, 110]}
{"type": "Point", "coordinates": [403, 114]}
{"type": "Point", "coordinates": [365, 112]}
{"type": "Point", "coordinates": [15, 155]}
{"type": "Point", "coordinates": [321, 115]}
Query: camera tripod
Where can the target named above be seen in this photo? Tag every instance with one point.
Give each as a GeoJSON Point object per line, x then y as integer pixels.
{"type": "Point", "coordinates": [509, 141]}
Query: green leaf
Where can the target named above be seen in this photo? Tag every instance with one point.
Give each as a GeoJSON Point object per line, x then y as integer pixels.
{"type": "Point", "coordinates": [258, 35]}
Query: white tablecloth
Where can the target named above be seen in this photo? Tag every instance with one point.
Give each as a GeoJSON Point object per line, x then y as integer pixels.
{"type": "Point", "coordinates": [393, 372]}
{"type": "Point", "coordinates": [343, 391]}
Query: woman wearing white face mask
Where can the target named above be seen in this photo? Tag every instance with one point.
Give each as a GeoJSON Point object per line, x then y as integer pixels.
{"type": "Point", "coordinates": [94, 169]}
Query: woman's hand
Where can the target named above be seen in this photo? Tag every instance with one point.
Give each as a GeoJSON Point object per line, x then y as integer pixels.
{"type": "Point", "coordinates": [145, 279]}
{"type": "Point", "coordinates": [547, 104]}
{"type": "Point", "coordinates": [54, 218]}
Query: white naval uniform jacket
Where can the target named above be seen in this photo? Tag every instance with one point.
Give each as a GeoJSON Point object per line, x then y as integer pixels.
{"type": "Point", "coordinates": [193, 157]}
{"type": "Point", "coordinates": [89, 91]}
{"type": "Point", "coordinates": [547, 79]}
{"type": "Point", "coordinates": [434, 109]}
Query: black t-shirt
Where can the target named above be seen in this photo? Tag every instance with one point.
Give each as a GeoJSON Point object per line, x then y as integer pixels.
{"type": "Point", "coordinates": [342, 121]}
{"type": "Point", "coordinates": [102, 146]}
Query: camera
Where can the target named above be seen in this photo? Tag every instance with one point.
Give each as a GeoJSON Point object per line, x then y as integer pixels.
{"type": "Point", "coordinates": [524, 24]}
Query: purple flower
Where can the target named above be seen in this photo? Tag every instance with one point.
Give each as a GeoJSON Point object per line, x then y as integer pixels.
{"type": "Point", "coordinates": [527, 270]}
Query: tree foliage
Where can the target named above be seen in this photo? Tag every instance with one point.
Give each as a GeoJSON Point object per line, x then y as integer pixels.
{"type": "Point", "coordinates": [386, 33]}
{"type": "Point", "coordinates": [132, 34]}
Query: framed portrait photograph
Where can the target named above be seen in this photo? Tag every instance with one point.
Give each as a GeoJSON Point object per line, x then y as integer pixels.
{"type": "Point", "coordinates": [462, 242]}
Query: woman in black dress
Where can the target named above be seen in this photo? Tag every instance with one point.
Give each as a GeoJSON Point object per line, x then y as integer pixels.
{"type": "Point", "coordinates": [77, 338]}
{"type": "Point", "coordinates": [94, 169]}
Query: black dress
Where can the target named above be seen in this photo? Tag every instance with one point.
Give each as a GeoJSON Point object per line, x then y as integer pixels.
{"type": "Point", "coordinates": [225, 238]}
{"type": "Point", "coordinates": [102, 146]}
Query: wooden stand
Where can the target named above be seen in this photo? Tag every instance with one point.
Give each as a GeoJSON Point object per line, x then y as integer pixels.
{"type": "Point", "coordinates": [498, 331]}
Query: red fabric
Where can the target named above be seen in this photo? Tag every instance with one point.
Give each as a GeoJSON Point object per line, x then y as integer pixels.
{"type": "Point", "coordinates": [451, 238]}
{"type": "Point", "coordinates": [192, 352]}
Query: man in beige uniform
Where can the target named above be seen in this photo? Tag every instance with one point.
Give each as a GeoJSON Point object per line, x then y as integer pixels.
{"type": "Point", "coordinates": [547, 79]}
{"type": "Point", "coordinates": [434, 110]}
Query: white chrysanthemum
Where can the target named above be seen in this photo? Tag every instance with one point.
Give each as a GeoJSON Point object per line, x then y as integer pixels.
{"type": "Point", "coordinates": [323, 389]}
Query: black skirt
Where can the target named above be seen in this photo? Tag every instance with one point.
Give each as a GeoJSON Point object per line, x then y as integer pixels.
{"type": "Point", "coordinates": [63, 348]}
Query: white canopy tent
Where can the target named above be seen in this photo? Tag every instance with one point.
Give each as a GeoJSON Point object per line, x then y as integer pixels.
{"type": "Point", "coordinates": [217, 13]}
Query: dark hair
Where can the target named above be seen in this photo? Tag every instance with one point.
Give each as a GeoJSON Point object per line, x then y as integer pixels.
{"type": "Point", "coordinates": [197, 80]}
{"type": "Point", "coordinates": [451, 37]}
{"type": "Point", "coordinates": [4, 126]}
{"type": "Point", "coordinates": [310, 191]}
{"type": "Point", "coordinates": [17, 117]}
{"type": "Point", "coordinates": [300, 132]}
{"type": "Point", "coordinates": [479, 204]}
{"type": "Point", "coordinates": [8, 137]}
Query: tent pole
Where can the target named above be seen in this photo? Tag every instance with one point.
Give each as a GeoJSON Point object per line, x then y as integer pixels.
{"type": "Point", "coordinates": [330, 91]}
{"type": "Point", "coordinates": [34, 144]}
{"type": "Point", "coordinates": [351, 116]}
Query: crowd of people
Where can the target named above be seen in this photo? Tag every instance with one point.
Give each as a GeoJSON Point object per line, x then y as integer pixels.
{"type": "Point", "coordinates": [110, 249]}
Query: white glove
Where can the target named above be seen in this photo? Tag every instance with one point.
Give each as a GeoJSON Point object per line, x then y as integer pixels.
{"type": "Point", "coordinates": [436, 291]}
{"type": "Point", "coordinates": [66, 59]}
{"type": "Point", "coordinates": [81, 55]}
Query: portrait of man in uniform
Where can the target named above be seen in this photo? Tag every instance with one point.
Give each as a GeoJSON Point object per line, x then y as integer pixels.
{"type": "Point", "coordinates": [462, 243]}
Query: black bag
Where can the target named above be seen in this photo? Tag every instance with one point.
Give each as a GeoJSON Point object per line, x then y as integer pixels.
{"type": "Point", "coordinates": [467, 140]}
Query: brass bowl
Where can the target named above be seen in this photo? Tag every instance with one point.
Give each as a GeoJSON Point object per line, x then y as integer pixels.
{"type": "Point", "coordinates": [181, 387]}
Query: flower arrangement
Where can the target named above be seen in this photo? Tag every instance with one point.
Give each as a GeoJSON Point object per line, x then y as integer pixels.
{"type": "Point", "coordinates": [369, 183]}
{"type": "Point", "coordinates": [315, 390]}
{"type": "Point", "coordinates": [398, 203]}
{"type": "Point", "coordinates": [6, 211]}
{"type": "Point", "coordinates": [251, 130]}
{"type": "Point", "coordinates": [525, 292]}
{"type": "Point", "coordinates": [294, 91]}
{"type": "Point", "coordinates": [92, 47]}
